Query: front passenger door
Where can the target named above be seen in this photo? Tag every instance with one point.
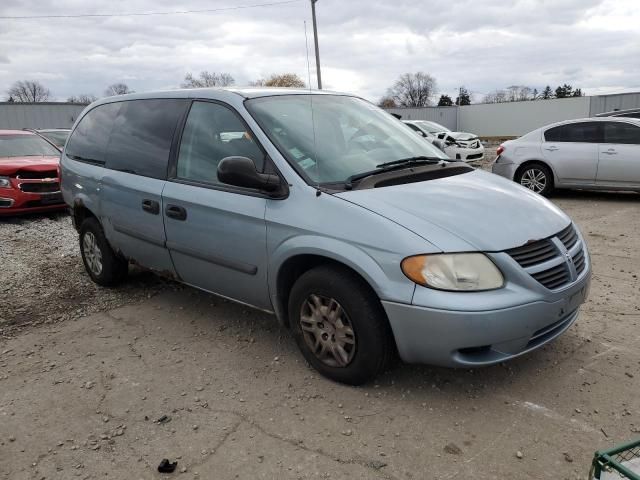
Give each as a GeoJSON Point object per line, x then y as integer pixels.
{"type": "Point", "coordinates": [216, 233]}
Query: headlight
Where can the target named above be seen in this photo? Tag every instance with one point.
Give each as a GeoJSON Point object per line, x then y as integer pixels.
{"type": "Point", "coordinates": [453, 271]}
{"type": "Point", "coordinates": [5, 182]}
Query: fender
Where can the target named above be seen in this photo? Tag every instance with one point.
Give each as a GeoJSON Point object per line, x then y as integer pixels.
{"type": "Point", "coordinates": [386, 279]}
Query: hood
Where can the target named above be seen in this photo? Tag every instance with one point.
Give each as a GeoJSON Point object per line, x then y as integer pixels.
{"type": "Point", "coordinates": [9, 165]}
{"type": "Point", "coordinates": [463, 135]}
{"type": "Point", "coordinates": [488, 212]}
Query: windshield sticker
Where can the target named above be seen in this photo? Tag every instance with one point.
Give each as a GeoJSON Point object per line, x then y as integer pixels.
{"type": "Point", "coordinates": [307, 163]}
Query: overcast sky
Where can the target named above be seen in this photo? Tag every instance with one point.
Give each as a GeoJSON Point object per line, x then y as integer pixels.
{"type": "Point", "coordinates": [364, 44]}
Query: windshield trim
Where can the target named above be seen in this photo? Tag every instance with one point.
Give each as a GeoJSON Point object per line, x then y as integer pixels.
{"type": "Point", "coordinates": [296, 167]}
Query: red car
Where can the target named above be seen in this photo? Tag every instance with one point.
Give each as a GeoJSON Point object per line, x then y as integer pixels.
{"type": "Point", "coordinates": [29, 174]}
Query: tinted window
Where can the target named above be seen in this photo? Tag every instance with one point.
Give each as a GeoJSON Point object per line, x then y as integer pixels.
{"type": "Point", "coordinates": [90, 138]}
{"type": "Point", "coordinates": [615, 132]}
{"type": "Point", "coordinates": [584, 132]}
{"type": "Point", "coordinates": [141, 138]}
{"type": "Point", "coordinates": [630, 115]}
{"type": "Point", "coordinates": [25, 145]}
{"type": "Point", "coordinates": [213, 132]}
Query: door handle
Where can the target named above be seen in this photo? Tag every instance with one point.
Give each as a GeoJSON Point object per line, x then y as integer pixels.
{"type": "Point", "coordinates": [151, 206]}
{"type": "Point", "coordinates": [552, 149]}
{"type": "Point", "coordinates": [611, 151]}
{"type": "Point", "coordinates": [176, 211]}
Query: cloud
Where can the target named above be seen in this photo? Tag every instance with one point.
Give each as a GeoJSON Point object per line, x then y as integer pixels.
{"type": "Point", "coordinates": [364, 45]}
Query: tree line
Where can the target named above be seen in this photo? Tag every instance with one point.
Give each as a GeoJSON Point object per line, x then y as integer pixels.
{"type": "Point", "coordinates": [419, 89]}
{"type": "Point", "coordinates": [34, 91]}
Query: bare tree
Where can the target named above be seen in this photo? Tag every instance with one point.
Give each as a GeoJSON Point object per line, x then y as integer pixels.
{"type": "Point", "coordinates": [280, 80]}
{"type": "Point", "coordinates": [29, 91]}
{"type": "Point", "coordinates": [84, 98]}
{"type": "Point", "coordinates": [387, 102]}
{"type": "Point", "coordinates": [499, 96]}
{"type": "Point", "coordinates": [413, 90]}
{"type": "Point", "coordinates": [207, 79]}
{"type": "Point", "coordinates": [117, 89]}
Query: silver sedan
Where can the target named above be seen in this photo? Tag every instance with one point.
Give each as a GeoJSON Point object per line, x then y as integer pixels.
{"type": "Point", "coordinates": [595, 153]}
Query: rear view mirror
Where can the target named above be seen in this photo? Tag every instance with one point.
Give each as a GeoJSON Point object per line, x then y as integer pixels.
{"type": "Point", "coordinates": [241, 172]}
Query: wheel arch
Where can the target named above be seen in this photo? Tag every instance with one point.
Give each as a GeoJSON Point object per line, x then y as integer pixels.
{"type": "Point", "coordinates": [527, 163]}
{"type": "Point", "coordinates": [288, 264]}
{"type": "Point", "coordinates": [81, 212]}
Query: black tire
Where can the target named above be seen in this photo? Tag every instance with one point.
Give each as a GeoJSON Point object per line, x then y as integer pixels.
{"type": "Point", "coordinates": [113, 267]}
{"type": "Point", "coordinates": [532, 175]}
{"type": "Point", "coordinates": [372, 337]}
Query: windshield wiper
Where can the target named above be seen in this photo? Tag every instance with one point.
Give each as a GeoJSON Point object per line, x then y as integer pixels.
{"type": "Point", "coordinates": [393, 165]}
{"type": "Point", "coordinates": [411, 160]}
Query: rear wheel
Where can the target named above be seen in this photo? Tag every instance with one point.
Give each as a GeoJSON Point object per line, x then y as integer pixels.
{"type": "Point", "coordinates": [103, 265]}
{"type": "Point", "coordinates": [536, 177]}
{"type": "Point", "coordinates": [339, 325]}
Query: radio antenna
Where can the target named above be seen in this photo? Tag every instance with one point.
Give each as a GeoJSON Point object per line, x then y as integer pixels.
{"type": "Point", "coordinates": [313, 122]}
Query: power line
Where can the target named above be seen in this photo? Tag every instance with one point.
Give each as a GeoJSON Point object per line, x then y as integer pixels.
{"type": "Point", "coordinates": [146, 14]}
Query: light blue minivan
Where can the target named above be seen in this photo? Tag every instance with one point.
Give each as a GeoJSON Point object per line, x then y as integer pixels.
{"type": "Point", "coordinates": [321, 208]}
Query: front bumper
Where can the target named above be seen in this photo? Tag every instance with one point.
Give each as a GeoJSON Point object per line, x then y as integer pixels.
{"type": "Point", "coordinates": [467, 154]}
{"type": "Point", "coordinates": [474, 337]}
{"type": "Point", "coordinates": [15, 202]}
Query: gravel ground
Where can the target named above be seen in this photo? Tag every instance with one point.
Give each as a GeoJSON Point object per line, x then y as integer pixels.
{"type": "Point", "coordinates": [44, 278]}
{"type": "Point", "coordinates": [87, 372]}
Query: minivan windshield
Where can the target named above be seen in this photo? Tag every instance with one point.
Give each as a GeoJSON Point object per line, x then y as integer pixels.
{"type": "Point", "coordinates": [25, 145]}
{"type": "Point", "coordinates": [332, 138]}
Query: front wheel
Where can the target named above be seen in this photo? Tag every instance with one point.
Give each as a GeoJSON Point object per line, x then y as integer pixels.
{"type": "Point", "coordinates": [536, 177]}
{"type": "Point", "coordinates": [339, 325]}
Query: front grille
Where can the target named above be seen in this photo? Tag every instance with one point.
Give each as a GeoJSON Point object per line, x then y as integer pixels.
{"type": "Point", "coordinates": [579, 261]}
{"type": "Point", "coordinates": [554, 277]}
{"type": "Point", "coordinates": [40, 187]}
{"type": "Point", "coordinates": [474, 156]}
{"type": "Point", "coordinates": [533, 253]}
{"type": "Point", "coordinates": [568, 237]}
{"type": "Point", "coordinates": [547, 260]}
{"type": "Point", "coordinates": [29, 175]}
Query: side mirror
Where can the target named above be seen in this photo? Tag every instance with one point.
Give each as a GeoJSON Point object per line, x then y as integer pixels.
{"type": "Point", "coordinates": [241, 172]}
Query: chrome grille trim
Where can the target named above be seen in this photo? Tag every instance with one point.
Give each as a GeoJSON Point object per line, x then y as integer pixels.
{"type": "Point", "coordinates": [554, 262]}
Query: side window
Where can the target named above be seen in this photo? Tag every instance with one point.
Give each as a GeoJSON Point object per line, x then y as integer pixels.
{"type": "Point", "coordinates": [89, 140]}
{"type": "Point", "coordinates": [620, 132]}
{"type": "Point", "coordinates": [555, 134]}
{"type": "Point", "coordinates": [582, 132]}
{"type": "Point", "coordinates": [211, 133]}
{"type": "Point", "coordinates": [141, 139]}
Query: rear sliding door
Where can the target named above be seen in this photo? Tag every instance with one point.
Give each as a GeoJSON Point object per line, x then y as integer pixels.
{"type": "Point", "coordinates": [136, 161]}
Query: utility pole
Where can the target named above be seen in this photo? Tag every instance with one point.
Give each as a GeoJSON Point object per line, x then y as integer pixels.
{"type": "Point", "coordinates": [315, 39]}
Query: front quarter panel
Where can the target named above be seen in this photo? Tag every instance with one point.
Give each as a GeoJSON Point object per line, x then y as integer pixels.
{"type": "Point", "coordinates": [324, 225]}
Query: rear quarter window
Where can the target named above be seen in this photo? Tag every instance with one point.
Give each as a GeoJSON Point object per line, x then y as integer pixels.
{"type": "Point", "coordinates": [89, 140]}
{"type": "Point", "coordinates": [141, 139]}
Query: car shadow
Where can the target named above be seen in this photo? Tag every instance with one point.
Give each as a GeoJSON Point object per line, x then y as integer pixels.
{"type": "Point", "coordinates": [599, 195]}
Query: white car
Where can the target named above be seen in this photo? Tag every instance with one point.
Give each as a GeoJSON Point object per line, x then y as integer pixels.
{"type": "Point", "coordinates": [457, 145]}
{"type": "Point", "coordinates": [595, 153]}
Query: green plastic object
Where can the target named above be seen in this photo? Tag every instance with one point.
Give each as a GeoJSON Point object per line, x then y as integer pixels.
{"type": "Point", "coordinates": [621, 462]}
